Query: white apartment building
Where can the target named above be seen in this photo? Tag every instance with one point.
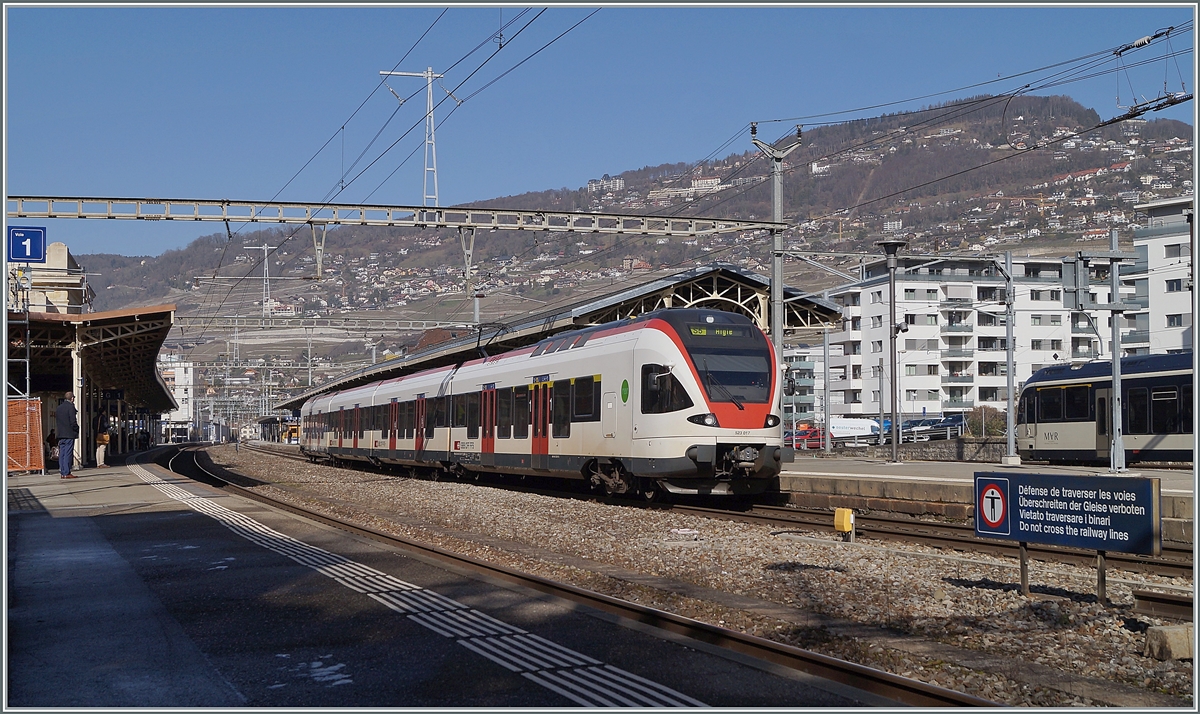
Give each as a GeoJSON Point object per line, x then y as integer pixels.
{"type": "Point", "coordinates": [605, 184]}
{"type": "Point", "coordinates": [178, 375]}
{"type": "Point", "coordinates": [953, 355]}
{"type": "Point", "coordinates": [1162, 278]}
{"type": "Point", "coordinates": [806, 365]}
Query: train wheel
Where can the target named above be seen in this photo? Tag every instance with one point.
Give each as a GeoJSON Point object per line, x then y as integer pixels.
{"type": "Point", "coordinates": [650, 490]}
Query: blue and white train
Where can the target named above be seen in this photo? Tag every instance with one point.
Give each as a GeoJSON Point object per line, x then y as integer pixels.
{"type": "Point", "coordinates": [1065, 411]}
{"type": "Point", "coordinates": [679, 401]}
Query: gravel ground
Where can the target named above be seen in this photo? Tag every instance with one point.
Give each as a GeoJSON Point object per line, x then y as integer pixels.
{"type": "Point", "coordinates": [948, 618]}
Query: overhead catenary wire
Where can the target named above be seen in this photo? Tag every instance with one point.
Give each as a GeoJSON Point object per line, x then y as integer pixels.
{"type": "Point", "coordinates": [489, 84]}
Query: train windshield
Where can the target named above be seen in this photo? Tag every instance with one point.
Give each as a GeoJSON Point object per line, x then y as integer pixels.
{"type": "Point", "coordinates": [732, 360]}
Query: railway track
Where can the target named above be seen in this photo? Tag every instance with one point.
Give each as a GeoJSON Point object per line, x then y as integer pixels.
{"type": "Point", "coordinates": [1174, 561]}
{"type": "Point", "coordinates": [890, 686]}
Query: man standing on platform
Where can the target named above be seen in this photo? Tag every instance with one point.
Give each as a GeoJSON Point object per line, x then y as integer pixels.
{"type": "Point", "coordinates": [67, 418]}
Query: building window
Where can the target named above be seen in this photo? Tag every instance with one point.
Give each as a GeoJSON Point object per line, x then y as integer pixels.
{"type": "Point", "coordinates": [1175, 320]}
{"type": "Point", "coordinates": [1035, 295]}
{"type": "Point", "coordinates": [910, 319]}
{"type": "Point", "coordinates": [875, 372]}
{"type": "Point", "coordinates": [1056, 319]}
{"type": "Point", "coordinates": [1175, 286]}
{"type": "Point", "coordinates": [1056, 344]}
{"type": "Point", "coordinates": [931, 319]}
{"type": "Point", "coordinates": [877, 296]}
{"type": "Point", "coordinates": [1035, 319]}
{"type": "Point", "coordinates": [932, 395]}
{"type": "Point", "coordinates": [910, 370]}
{"type": "Point", "coordinates": [910, 395]}
{"type": "Point", "coordinates": [910, 293]}
{"type": "Point", "coordinates": [931, 294]}
{"type": "Point", "coordinates": [877, 346]}
{"type": "Point", "coordinates": [1035, 345]}
{"type": "Point", "coordinates": [931, 369]}
{"type": "Point", "coordinates": [875, 395]}
{"type": "Point", "coordinates": [877, 321]}
{"type": "Point", "coordinates": [1173, 251]}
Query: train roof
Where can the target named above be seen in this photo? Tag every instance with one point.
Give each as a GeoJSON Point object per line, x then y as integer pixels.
{"type": "Point", "coordinates": [1137, 364]}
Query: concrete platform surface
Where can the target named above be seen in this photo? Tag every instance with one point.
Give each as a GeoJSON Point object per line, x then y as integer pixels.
{"type": "Point", "coordinates": [132, 587]}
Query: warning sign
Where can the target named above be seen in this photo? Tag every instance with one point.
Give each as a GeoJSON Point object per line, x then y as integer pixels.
{"type": "Point", "coordinates": [1117, 513]}
{"type": "Point", "coordinates": [991, 506]}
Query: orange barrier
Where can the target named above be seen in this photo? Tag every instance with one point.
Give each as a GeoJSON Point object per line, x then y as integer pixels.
{"type": "Point", "coordinates": [25, 435]}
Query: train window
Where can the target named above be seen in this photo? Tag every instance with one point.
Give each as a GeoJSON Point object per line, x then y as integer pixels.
{"type": "Point", "coordinates": [1185, 410]}
{"type": "Point", "coordinates": [584, 405]}
{"type": "Point", "coordinates": [473, 415]}
{"type": "Point", "coordinates": [460, 410]}
{"type": "Point", "coordinates": [560, 409]}
{"type": "Point", "coordinates": [1101, 416]}
{"type": "Point", "coordinates": [1025, 409]}
{"type": "Point", "coordinates": [520, 418]}
{"type": "Point", "coordinates": [1164, 410]}
{"type": "Point", "coordinates": [504, 417]}
{"type": "Point", "coordinates": [1050, 404]}
{"type": "Point", "coordinates": [1077, 403]}
{"type": "Point", "coordinates": [661, 391]}
{"type": "Point", "coordinates": [1137, 408]}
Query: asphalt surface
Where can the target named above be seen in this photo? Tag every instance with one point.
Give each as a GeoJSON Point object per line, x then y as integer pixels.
{"type": "Point", "coordinates": [130, 587]}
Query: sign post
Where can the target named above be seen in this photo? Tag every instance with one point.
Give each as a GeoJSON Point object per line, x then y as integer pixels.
{"type": "Point", "coordinates": [1101, 513]}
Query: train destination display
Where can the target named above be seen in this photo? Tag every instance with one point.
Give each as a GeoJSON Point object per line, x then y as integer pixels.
{"type": "Point", "coordinates": [1104, 513]}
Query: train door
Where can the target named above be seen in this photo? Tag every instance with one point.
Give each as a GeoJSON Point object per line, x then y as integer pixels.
{"type": "Point", "coordinates": [393, 423]}
{"type": "Point", "coordinates": [357, 416]}
{"type": "Point", "coordinates": [608, 419]}
{"type": "Point", "coordinates": [419, 424]}
{"type": "Point", "coordinates": [488, 418]}
{"type": "Point", "coordinates": [341, 426]}
{"type": "Point", "coordinates": [541, 426]}
{"type": "Point", "coordinates": [1103, 423]}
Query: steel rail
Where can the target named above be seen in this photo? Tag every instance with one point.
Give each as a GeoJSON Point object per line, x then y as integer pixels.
{"type": "Point", "coordinates": [1174, 561]}
{"type": "Point", "coordinates": [885, 684]}
{"type": "Point", "coordinates": [1156, 604]}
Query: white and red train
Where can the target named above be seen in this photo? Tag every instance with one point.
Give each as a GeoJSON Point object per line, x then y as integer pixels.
{"type": "Point", "coordinates": [679, 400]}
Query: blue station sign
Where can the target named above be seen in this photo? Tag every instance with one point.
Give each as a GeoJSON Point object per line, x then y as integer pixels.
{"type": "Point", "coordinates": [26, 244]}
{"type": "Point", "coordinates": [1110, 513]}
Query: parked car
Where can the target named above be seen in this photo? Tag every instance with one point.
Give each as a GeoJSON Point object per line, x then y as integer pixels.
{"type": "Point", "coordinates": [811, 438]}
{"type": "Point", "coordinates": [950, 425]}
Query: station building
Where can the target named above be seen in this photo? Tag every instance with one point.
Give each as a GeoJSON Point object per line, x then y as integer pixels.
{"type": "Point", "coordinates": [57, 343]}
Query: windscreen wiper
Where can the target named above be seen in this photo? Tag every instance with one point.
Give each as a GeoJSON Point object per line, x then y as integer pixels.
{"type": "Point", "coordinates": [713, 381]}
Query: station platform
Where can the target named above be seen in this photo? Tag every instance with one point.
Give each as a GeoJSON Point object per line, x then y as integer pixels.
{"type": "Point", "coordinates": [132, 587]}
{"type": "Point", "coordinates": [946, 488]}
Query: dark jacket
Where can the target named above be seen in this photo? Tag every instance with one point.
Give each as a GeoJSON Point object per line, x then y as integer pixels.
{"type": "Point", "coordinates": [68, 420]}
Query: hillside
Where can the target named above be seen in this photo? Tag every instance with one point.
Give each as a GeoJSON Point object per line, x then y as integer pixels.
{"type": "Point", "coordinates": [958, 176]}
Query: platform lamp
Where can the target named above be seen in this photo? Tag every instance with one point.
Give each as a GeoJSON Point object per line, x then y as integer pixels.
{"type": "Point", "coordinates": [890, 248]}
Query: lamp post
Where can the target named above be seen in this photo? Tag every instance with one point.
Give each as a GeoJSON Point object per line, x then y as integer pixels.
{"type": "Point", "coordinates": [890, 248]}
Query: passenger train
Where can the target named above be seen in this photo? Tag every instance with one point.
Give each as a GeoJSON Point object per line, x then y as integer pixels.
{"type": "Point", "coordinates": [1065, 411]}
{"type": "Point", "coordinates": [683, 401]}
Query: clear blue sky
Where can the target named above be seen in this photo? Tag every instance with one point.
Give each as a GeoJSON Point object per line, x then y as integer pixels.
{"type": "Point", "coordinates": [232, 102]}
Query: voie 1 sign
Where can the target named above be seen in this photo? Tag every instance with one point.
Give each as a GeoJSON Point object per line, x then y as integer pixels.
{"type": "Point", "coordinates": [1111, 513]}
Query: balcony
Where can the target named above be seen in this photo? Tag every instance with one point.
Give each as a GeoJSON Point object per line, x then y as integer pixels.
{"type": "Point", "coordinates": [1084, 329]}
{"type": "Point", "coordinates": [958, 353]}
{"type": "Point", "coordinates": [957, 327]}
{"type": "Point", "coordinates": [958, 404]}
{"type": "Point", "coordinates": [1082, 354]}
{"type": "Point", "coordinates": [1136, 337]}
{"type": "Point", "coordinates": [956, 303]}
{"type": "Point", "coordinates": [958, 379]}
{"type": "Point", "coordinates": [806, 381]}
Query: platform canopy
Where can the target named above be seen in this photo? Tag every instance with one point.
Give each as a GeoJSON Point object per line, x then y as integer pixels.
{"type": "Point", "coordinates": [719, 286]}
{"type": "Point", "coordinates": [117, 349]}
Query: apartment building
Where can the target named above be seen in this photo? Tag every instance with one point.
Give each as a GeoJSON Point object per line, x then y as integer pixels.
{"type": "Point", "coordinates": [952, 350]}
{"type": "Point", "coordinates": [806, 365]}
{"type": "Point", "coordinates": [178, 375]}
{"type": "Point", "coordinates": [1162, 279]}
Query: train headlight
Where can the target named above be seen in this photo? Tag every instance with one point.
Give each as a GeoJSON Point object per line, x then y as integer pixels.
{"type": "Point", "coordinates": [772, 420]}
{"type": "Point", "coordinates": [704, 419]}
